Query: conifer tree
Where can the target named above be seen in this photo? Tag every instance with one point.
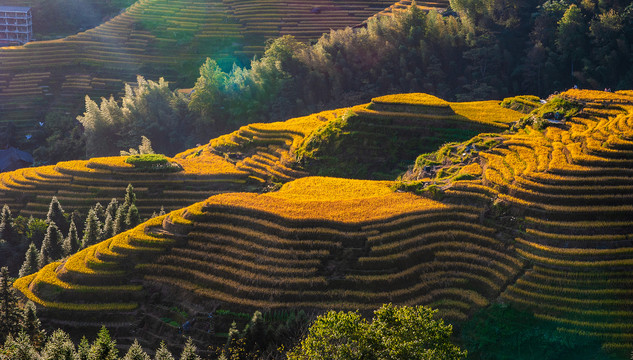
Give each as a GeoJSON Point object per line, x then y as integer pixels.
{"type": "Point", "coordinates": [32, 325]}
{"type": "Point", "coordinates": [56, 215]}
{"type": "Point", "coordinates": [119, 220]}
{"type": "Point", "coordinates": [10, 314]}
{"type": "Point", "coordinates": [130, 196]}
{"type": "Point", "coordinates": [112, 207]}
{"type": "Point", "coordinates": [59, 347]}
{"type": "Point", "coordinates": [189, 351]}
{"type": "Point", "coordinates": [162, 353]}
{"type": "Point", "coordinates": [103, 348]}
{"type": "Point", "coordinates": [132, 219]}
{"type": "Point", "coordinates": [162, 211]}
{"type": "Point", "coordinates": [108, 227]}
{"type": "Point", "coordinates": [19, 348]}
{"type": "Point", "coordinates": [51, 246]}
{"type": "Point", "coordinates": [92, 230]}
{"type": "Point", "coordinates": [7, 232]}
{"type": "Point", "coordinates": [100, 212]}
{"type": "Point", "coordinates": [135, 352]}
{"type": "Point", "coordinates": [31, 262]}
{"type": "Point", "coordinates": [71, 242]}
{"type": "Point", "coordinates": [83, 349]}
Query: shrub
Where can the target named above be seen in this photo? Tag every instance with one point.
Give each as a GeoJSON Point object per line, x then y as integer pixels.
{"type": "Point", "coordinates": [153, 162]}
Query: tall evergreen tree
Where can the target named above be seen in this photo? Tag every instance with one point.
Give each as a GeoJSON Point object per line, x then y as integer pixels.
{"type": "Point", "coordinates": [112, 208]}
{"type": "Point", "coordinates": [130, 196]}
{"type": "Point", "coordinates": [100, 211]}
{"type": "Point", "coordinates": [10, 314]}
{"type": "Point", "coordinates": [132, 219]}
{"type": "Point", "coordinates": [189, 351]}
{"type": "Point", "coordinates": [92, 230]}
{"type": "Point", "coordinates": [52, 245]}
{"type": "Point", "coordinates": [71, 242]}
{"type": "Point", "coordinates": [108, 227]}
{"type": "Point", "coordinates": [135, 352]}
{"type": "Point", "coordinates": [59, 347]}
{"type": "Point", "coordinates": [20, 348]}
{"type": "Point", "coordinates": [119, 220]}
{"type": "Point", "coordinates": [162, 353]}
{"type": "Point", "coordinates": [83, 349]}
{"type": "Point", "coordinates": [7, 232]}
{"type": "Point", "coordinates": [31, 262]}
{"type": "Point", "coordinates": [56, 215]}
{"type": "Point", "coordinates": [32, 325]}
{"type": "Point", "coordinates": [103, 348]}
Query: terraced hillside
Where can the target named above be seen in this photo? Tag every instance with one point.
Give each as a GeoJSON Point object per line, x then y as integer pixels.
{"type": "Point", "coordinates": [543, 222]}
{"type": "Point", "coordinates": [153, 38]}
{"type": "Point", "coordinates": [566, 192]}
{"type": "Point", "coordinates": [318, 243]}
{"type": "Point", "coordinates": [253, 156]}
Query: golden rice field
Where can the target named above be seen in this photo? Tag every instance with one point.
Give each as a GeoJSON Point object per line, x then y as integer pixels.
{"type": "Point", "coordinates": [543, 221]}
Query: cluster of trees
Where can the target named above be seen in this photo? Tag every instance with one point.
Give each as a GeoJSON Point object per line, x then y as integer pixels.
{"type": "Point", "coordinates": [476, 50]}
{"type": "Point", "coordinates": [61, 234]}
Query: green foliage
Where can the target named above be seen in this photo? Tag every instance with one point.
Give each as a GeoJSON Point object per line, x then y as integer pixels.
{"type": "Point", "coordinates": [394, 333]}
{"type": "Point", "coordinates": [20, 348]}
{"type": "Point", "coordinates": [71, 242]}
{"type": "Point", "coordinates": [504, 332]}
{"type": "Point", "coordinates": [31, 325]}
{"type": "Point", "coordinates": [189, 351]}
{"type": "Point", "coordinates": [103, 348]}
{"type": "Point", "coordinates": [51, 246]}
{"type": "Point", "coordinates": [10, 314]}
{"type": "Point", "coordinates": [556, 108]}
{"type": "Point", "coordinates": [162, 353]}
{"type": "Point", "coordinates": [59, 347]}
{"type": "Point", "coordinates": [144, 149]}
{"type": "Point", "coordinates": [83, 349]}
{"type": "Point", "coordinates": [132, 219]}
{"type": "Point", "coordinates": [152, 162]}
{"type": "Point", "coordinates": [31, 261]}
{"type": "Point", "coordinates": [56, 215]}
{"type": "Point", "coordinates": [92, 230]}
{"type": "Point", "coordinates": [7, 232]}
{"type": "Point", "coordinates": [523, 103]}
{"type": "Point", "coordinates": [151, 109]}
{"type": "Point", "coordinates": [135, 352]}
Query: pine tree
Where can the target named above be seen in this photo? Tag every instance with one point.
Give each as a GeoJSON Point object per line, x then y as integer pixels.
{"type": "Point", "coordinates": [130, 196]}
{"type": "Point", "coordinates": [19, 348]}
{"type": "Point", "coordinates": [56, 215]}
{"type": "Point", "coordinates": [100, 211]}
{"type": "Point", "coordinates": [32, 325]}
{"type": "Point", "coordinates": [10, 314]}
{"type": "Point", "coordinates": [71, 242]}
{"type": "Point", "coordinates": [135, 352]}
{"type": "Point", "coordinates": [112, 208]}
{"type": "Point", "coordinates": [92, 230]}
{"type": "Point", "coordinates": [83, 349]}
{"type": "Point", "coordinates": [132, 219]}
{"type": "Point", "coordinates": [189, 351]}
{"type": "Point", "coordinates": [32, 261]}
{"type": "Point", "coordinates": [7, 232]}
{"type": "Point", "coordinates": [162, 353]}
{"type": "Point", "coordinates": [51, 246]}
{"type": "Point", "coordinates": [108, 227]}
{"type": "Point", "coordinates": [59, 347]}
{"type": "Point", "coordinates": [119, 220]}
{"type": "Point", "coordinates": [103, 348]}
{"type": "Point", "coordinates": [162, 211]}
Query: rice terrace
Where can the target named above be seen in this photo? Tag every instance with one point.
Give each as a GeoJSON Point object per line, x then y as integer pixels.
{"type": "Point", "coordinates": [336, 179]}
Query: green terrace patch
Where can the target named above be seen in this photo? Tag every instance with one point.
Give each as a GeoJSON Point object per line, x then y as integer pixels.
{"type": "Point", "coordinates": [153, 162]}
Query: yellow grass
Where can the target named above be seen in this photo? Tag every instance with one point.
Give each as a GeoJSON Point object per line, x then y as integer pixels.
{"type": "Point", "coordinates": [332, 199]}
{"type": "Point", "coordinates": [113, 163]}
{"type": "Point", "coordinates": [486, 112]}
{"type": "Point", "coordinates": [412, 99]}
{"type": "Point", "coordinates": [208, 164]}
